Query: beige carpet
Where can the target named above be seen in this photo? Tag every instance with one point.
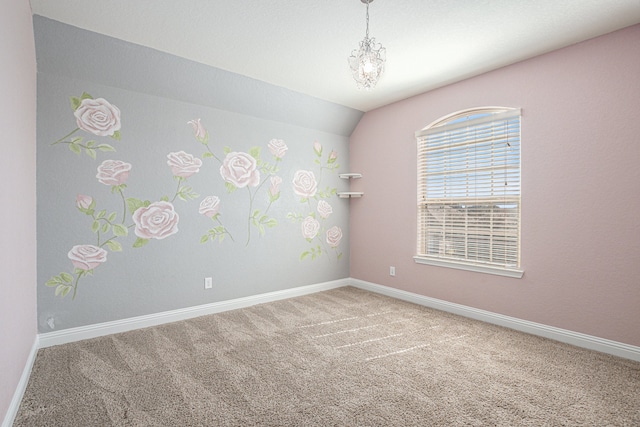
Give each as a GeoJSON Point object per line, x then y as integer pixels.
{"type": "Point", "coordinates": [344, 357]}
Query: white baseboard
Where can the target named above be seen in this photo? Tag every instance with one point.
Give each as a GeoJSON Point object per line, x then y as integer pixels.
{"type": "Point", "coordinates": [49, 339]}
{"type": "Point", "coordinates": [563, 335]}
{"type": "Point", "coordinates": [12, 411]}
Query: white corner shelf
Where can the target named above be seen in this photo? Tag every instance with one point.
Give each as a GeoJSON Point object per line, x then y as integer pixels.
{"type": "Point", "coordinates": [350, 194]}
{"type": "Point", "coordinates": [350, 175]}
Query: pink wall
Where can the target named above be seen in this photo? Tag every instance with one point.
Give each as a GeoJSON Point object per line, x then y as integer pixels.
{"type": "Point", "coordinates": [580, 190]}
{"type": "Point", "coordinates": [18, 195]}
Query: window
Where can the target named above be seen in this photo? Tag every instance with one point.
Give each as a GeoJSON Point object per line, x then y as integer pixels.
{"type": "Point", "coordinates": [469, 191]}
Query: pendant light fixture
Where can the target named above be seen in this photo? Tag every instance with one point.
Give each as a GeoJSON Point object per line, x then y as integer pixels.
{"type": "Point", "coordinates": [367, 62]}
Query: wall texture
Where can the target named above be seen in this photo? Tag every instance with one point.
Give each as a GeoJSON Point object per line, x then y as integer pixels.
{"type": "Point", "coordinates": [18, 196]}
{"type": "Point", "coordinates": [580, 190]}
{"type": "Point", "coordinates": [144, 193]}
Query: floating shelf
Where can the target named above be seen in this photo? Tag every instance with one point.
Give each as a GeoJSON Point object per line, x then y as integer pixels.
{"type": "Point", "coordinates": [350, 175]}
{"type": "Point", "coordinates": [350, 194]}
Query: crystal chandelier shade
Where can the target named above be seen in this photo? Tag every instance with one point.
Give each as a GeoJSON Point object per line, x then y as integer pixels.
{"type": "Point", "coordinates": [367, 62]}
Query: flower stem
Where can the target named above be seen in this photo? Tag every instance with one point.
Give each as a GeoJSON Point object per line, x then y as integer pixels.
{"type": "Point", "coordinates": [124, 204]}
{"type": "Point", "coordinates": [177, 190]}
{"type": "Point", "coordinates": [66, 136]}
{"type": "Point", "coordinates": [249, 219]}
{"type": "Point", "coordinates": [75, 286]}
{"type": "Point", "coordinates": [225, 229]}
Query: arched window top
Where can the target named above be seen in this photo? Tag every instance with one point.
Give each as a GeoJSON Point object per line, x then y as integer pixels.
{"type": "Point", "coordinates": [470, 114]}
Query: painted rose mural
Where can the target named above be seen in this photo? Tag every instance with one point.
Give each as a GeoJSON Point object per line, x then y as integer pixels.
{"type": "Point", "coordinates": [314, 221]}
{"type": "Point", "coordinates": [95, 116]}
{"type": "Point", "coordinates": [249, 180]}
{"type": "Point", "coordinates": [245, 171]}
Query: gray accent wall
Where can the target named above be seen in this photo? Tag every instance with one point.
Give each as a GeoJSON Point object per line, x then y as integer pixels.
{"type": "Point", "coordinates": [154, 172]}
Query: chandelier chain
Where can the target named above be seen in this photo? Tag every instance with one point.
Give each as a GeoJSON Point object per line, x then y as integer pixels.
{"type": "Point", "coordinates": [367, 32]}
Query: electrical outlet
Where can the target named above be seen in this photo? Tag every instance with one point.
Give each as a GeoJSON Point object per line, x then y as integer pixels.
{"type": "Point", "coordinates": [392, 271]}
{"type": "Point", "coordinates": [208, 282]}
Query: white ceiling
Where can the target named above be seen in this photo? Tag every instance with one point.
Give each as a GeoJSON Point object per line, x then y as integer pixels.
{"type": "Point", "coordinates": [303, 45]}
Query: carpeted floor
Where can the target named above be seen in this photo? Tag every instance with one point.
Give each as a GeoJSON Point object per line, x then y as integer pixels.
{"type": "Point", "coordinates": [344, 357]}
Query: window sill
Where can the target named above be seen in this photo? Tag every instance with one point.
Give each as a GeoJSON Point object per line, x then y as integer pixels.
{"type": "Point", "coordinates": [517, 274]}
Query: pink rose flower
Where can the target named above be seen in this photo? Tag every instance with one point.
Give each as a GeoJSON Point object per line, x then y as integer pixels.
{"type": "Point", "coordinates": [324, 209]}
{"type": "Point", "coordinates": [304, 184]}
{"type": "Point", "coordinates": [198, 129]}
{"type": "Point", "coordinates": [83, 202]}
{"type": "Point", "coordinates": [310, 227]}
{"type": "Point", "coordinates": [277, 147]}
{"type": "Point", "coordinates": [333, 156]}
{"type": "Point", "coordinates": [275, 185]}
{"type": "Point", "coordinates": [113, 172]}
{"type": "Point", "coordinates": [334, 235]}
{"type": "Point", "coordinates": [183, 164]}
{"type": "Point", "coordinates": [87, 257]}
{"type": "Point", "coordinates": [240, 169]}
{"type": "Point", "coordinates": [98, 117]}
{"type": "Point", "coordinates": [209, 206]}
{"type": "Point", "coordinates": [317, 147]}
{"type": "Point", "coordinates": [156, 221]}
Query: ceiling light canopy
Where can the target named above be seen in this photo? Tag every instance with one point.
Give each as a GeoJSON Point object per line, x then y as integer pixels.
{"type": "Point", "coordinates": [367, 62]}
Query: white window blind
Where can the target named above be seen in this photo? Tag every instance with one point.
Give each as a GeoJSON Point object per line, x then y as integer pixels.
{"type": "Point", "coordinates": [469, 189]}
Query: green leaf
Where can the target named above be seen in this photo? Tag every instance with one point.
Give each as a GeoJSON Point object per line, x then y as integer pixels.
{"type": "Point", "coordinates": [65, 291]}
{"type": "Point", "coordinates": [273, 198]}
{"type": "Point", "coordinates": [66, 277]}
{"type": "Point", "coordinates": [114, 246]}
{"type": "Point", "coordinates": [116, 135]}
{"type": "Point", "coordinates": [105, 227]}
{"type": "Point", "coordinates": [207, 155]}
{"type": "Point", "coordinates": [101, 214]}
{"type": "Point", "coordinates": [271, 223]}
{"type": "Point", "coordinates": [230, 187]}
{"type": "Point", "coordinates": [85, 95]}
{"type": "Point", "coordinates": [261, 229]}
{"type": "Point", "coordinates": [90, 144]}
{"type": "Point", "coordinates": [75, 102]}
{"type": "Point", "coordinates": [95, 226]}
{"type": "Point", "coordinates": [120, 230]}
{"type": "Point", "coordinates": [339, 256]}
{"type": "Point", "coordinates": [226, 150]}
{"type": "Point", "coordinates": [304, 255]}
{"type": "Point", "coordinates": [112, 216]}
{"type": "Point", "coordinates": [51, 283]}
{"type": "Point", "coordinates": [140, 242]}
{"type": "Point", "coordinates": [221, 237]}
{"type": "Point", "coordinates": [134, 204]}
{"type": "Point", "coordinates": [255, 152]}
{"type": "Point", "coordinates": [204, 238]}
{"type": "Point", "coordinates": [75, 148]}
{"type": "Point", "coordinates": [105, 147]}
{"type": "Point", "coordinates": [90, 152]}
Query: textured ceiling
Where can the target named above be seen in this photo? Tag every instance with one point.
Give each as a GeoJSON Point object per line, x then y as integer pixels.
{"type": "Point", "coordinates": [303, 45]}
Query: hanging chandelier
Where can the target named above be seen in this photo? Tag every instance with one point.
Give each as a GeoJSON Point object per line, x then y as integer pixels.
{"type": "Point", "coordinates": [367, 62]}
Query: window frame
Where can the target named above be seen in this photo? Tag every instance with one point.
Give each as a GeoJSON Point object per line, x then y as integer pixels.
{"type": "Point", "coordinates": [476, 117]}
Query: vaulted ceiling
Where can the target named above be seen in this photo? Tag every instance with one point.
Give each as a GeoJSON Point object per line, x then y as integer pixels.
{"type": "Point", "coordinates": [303, 45]}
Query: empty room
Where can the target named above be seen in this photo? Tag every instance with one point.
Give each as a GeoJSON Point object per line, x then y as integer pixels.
{"type": "Point", "coordinates": [331, 213]}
